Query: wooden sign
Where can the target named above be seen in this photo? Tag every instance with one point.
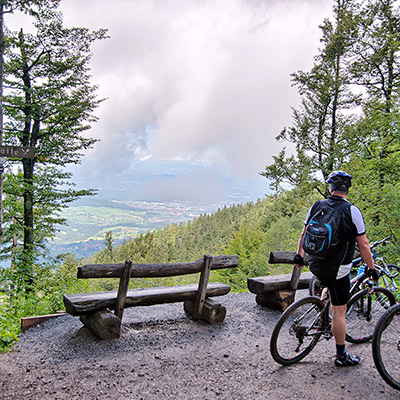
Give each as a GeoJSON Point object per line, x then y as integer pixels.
{"type": "Point", "coordinates": [17, 152]}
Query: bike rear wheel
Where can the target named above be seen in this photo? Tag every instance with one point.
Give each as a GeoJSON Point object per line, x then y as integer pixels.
{"type": "Point", "coordinates": [297, 331]}
{"type": "Point", "coordinates": [363, 311]}
{"type": "Point", "coordinates": [386, 346]}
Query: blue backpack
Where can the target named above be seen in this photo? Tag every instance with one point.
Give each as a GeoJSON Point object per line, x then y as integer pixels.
{"type": "Point", "coordinates": [323, 232]}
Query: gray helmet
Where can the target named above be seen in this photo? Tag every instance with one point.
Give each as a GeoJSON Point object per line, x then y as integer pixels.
{"type": "Point", "coordinates": [339, 181]}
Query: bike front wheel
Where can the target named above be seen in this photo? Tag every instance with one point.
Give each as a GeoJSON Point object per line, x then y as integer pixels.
{"type": "Point", "coordinates": [297, 331]}
{"type": "Point", "coordinates": [386, 346]}
{"type": "Point", "coordinates": [363, 311]}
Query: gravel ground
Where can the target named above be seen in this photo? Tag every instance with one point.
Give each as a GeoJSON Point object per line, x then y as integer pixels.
{"type": "Point", "coordinates": [162, 354]}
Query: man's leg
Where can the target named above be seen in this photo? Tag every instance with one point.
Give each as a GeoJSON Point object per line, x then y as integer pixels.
{"type": "Point", "coordinates": [339, 323]}
{"type": "Point", "coordinates": [339, 295]}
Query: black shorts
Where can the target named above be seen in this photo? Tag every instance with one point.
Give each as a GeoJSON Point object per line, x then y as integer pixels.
{"type": "Point", "coordinates": [339, 289]}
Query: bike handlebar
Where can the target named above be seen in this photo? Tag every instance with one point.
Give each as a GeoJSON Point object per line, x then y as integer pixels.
{"type": "Point", "coordinates": [383, 242]}
{"type": "Point", "coordinates": [377, 243]}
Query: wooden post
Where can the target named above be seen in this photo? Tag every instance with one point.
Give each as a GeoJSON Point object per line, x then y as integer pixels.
{"type": "Point", "coordinates": [278, 292]}
{"type": "Point", "coordinates": [212, 313]}
{"type": "Point", "coordinates": [294, 281]}
{"type": "Point", "coordinates": [104, 324]}
{"type": "Point", "coordinates": [123, 289]}
{"type": "Point", "coordinates": [202, 289]}
{"type": "Point", "coordinates": [279, 300]}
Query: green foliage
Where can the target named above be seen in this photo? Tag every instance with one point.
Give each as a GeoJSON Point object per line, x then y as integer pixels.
{"type": "Point", "coordinates": [349, 114]}
{"type": "Point", "coordinates": [48, 105]}
{"type": "Point", "coordinates": [17, 300]}
{"type": "Point", "coordinates": [9, 328]}
{"type": "Point", "coordinates": [358, 65]}
{"type": "Point", "coordinates": [319, 124]}
{"type": "Point", "coordinates": [335, 127]}
{"type": "Point", "coordinates": [249, 244]}
{"type": "Point", "coordinates": [251, 230]}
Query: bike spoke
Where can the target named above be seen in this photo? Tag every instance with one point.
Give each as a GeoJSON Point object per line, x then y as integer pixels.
{"type": "Point", "coordinates": [363, 311]}
{"type": "Point", "coordinates": [297, 331]}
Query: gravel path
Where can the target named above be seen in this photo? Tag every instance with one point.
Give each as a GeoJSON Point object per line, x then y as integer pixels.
{"type": "Point", "coordinates": [164, 355]}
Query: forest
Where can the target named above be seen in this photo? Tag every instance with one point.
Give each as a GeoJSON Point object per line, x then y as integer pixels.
{"type": "Point", "coordinates": [348, 119]}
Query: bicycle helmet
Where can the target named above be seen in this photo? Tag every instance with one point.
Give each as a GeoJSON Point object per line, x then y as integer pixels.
{"type": "Point", "coordinates": [339, 181]}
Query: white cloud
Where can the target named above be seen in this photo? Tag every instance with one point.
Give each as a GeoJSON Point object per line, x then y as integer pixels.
{"type": "Point", "coordinates": [196, 79]}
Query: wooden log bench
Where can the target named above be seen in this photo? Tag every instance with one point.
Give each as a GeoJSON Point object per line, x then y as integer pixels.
{"type": "Point", "coordinates": [94, 312]}
{"type": "Point", "coordinates": [278, 291]}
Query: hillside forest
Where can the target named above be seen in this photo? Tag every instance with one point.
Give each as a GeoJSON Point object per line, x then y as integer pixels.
{"type": "Point", "coordinates": [348, 119]}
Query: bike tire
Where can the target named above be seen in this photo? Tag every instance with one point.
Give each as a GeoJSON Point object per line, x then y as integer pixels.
{"type": "Point", "coordinates": [314, 288]}
{"type": "Point", "coordinates": [393, 268]}
{"type": "Point", "coordinates": [363, 311]}
{"type": "Point", "coordinates": [290, 341]}
{"type": "Point", "coordinates": [386, 346]}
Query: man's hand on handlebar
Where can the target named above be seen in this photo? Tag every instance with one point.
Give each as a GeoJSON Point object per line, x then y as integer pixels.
{"type": "Point", "coordinates": [373, 273]}
{"type": "Point", "coordinates": [298, 262]}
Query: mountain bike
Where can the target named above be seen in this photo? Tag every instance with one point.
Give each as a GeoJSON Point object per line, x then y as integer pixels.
{"type": "Point", "coordinates": [307, 321]}
{"type": "Point", "coordinates": [386, 346]}
{"type": "Point", "coordinates": [389, 274]}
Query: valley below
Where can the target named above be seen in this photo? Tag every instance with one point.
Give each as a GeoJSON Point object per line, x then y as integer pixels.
{"type": "Point", "coordinates": [88, 220]}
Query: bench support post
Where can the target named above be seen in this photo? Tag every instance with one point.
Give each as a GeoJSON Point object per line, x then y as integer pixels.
{"type": "Point", "coordinates": [279, 300]}
{"type": "Point", "coordinates": [201, 292]}
{"type": "Point", "coordinates": [104, 324]}
{"type": "Point", "coordinates": [213, 312]}
{"type": "Point", "coordinates": [123, 289]}
{"type": "Point", "coordinates": [278, 292]}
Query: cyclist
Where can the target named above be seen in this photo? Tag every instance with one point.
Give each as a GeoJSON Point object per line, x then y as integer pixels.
{"type": "Point", "coordinates": [335, 273]}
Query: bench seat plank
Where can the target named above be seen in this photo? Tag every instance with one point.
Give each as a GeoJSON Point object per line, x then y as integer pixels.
{"type": "Point", "coordinates": [273, 283]}
{"type": "Point", "coordinates": [78, 304]}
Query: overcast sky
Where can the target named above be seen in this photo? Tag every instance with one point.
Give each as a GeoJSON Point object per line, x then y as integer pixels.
{"type": "Point", "coordinates": [196, 91]}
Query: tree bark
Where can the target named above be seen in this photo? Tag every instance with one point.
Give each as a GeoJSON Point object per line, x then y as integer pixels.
{"type": "Point", "coordinates": [284, 257]}
{"type": "Point", "coordinates": [212, 312]}
{"type": "Point", "coordinates": [86, 303]}
{"type": "Point", "coordinates": [155, 270]}
{"type": "Point", "coordinates": [279, 300]}
{"type": "Point", "coordinates": [103, 324]}
{"type": "Point", "coordinates": [122, 290]}
{"type": "Point", "coordinates": [2, 48]}
{"type": "Point", "coordinates": [273, 283]}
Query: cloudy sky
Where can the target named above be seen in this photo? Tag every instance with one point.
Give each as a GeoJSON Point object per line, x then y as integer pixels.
{"type": "Point", "coordinates": [196, 92]}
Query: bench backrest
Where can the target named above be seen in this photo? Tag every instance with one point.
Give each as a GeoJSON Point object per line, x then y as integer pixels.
{"type": "Point", "coordinates": [155, 270]}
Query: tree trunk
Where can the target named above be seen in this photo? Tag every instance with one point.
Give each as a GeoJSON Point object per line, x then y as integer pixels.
{"type": "Point", "coordinates": [30, 136]}
{"type": "Point", "coordinates": [28, 252]}
{"type": "Point", "coordinates": [1, 112]}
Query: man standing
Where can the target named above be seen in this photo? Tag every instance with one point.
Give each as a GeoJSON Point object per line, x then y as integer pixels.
{"type": "Point", "coordinates": [334, 273]}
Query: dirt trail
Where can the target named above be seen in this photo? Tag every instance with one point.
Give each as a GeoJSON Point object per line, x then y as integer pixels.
{"type": "Point", "coordinates": [164, 355]}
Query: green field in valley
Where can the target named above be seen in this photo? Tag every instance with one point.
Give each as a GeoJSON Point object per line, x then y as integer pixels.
{"type": "Point", "coordinates": [89, 219]}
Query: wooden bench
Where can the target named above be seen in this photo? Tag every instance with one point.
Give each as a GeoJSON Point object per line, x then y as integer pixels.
{"type": "Point", "coordinates": [94, 308]}
{"type": "Point", "coordinates": [278, 291]}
